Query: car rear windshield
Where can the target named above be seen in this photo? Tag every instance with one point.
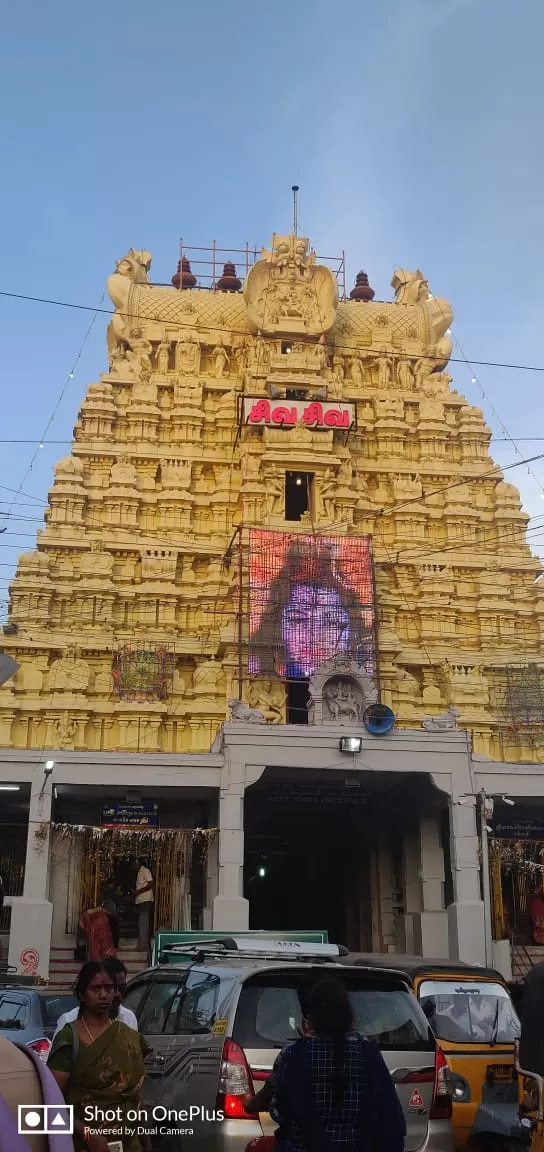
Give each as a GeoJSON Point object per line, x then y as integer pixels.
{"type": "Point", "coordinates": [269, 1013]}
{"type": "Point", "coordinates": [55, 1006]}
{"type": "Point", "coordinates": [469, 1011]}
{"type": "Point", "coordinates": [13, 1011]}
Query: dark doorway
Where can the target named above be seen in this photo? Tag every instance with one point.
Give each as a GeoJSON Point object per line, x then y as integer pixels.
{"type": "Point", "coordinates": [306, 862]}
{"type": "Point", "coordinates": [298, 494]}
{"type": "Point", "coordinates": [298, 699]}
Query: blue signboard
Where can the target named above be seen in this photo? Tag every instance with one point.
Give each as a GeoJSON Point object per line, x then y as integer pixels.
{"type": "Point", "coordinates": [143, 815]}
{"type": "Point", "coordinates": [518, 827]}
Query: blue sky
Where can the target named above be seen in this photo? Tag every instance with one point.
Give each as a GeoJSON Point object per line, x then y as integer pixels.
{"type": "Point", "coordinates": [413, 127]}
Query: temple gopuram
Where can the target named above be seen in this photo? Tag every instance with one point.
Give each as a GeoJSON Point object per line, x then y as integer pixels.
{"type": "Point", "coordinates": [277, 513]}
{"type": "Point", "coordinates": [128, 611]}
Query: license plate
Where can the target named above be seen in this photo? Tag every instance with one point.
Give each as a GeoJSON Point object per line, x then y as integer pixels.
{"type": "Point", "coordinates": [500, 1072]}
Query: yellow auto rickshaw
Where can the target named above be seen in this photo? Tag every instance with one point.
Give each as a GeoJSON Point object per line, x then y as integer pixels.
{"type": "Point", "coordinates": [471, 1013]}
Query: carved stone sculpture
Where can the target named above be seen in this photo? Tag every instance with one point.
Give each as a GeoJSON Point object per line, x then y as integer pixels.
{"type": "Point", "coordinates": [139, 353]}
{"type": "Point", "coordinates": [287, 291]}
{"type": "Point", "coordinates": [389, 408]}
{"type": "Point", "coordinates": [270, 694]}
{"type": "Point", "coordinates": [69, 674]}
{"type": "Point", "coordinates": [163, 356]}
{"type": "Point", "coordinates": [412, 289]}
{"type": "Point", "coordinates": [123, 473]}
{"type": "Point", "coordinates": [69, 468]}
{"type": "Point", "coordinates": [356, 374]}
{"type": "Point", "coordinates": [65, 731]}
{"type": "Point", "coordinates": [274, 494]}
{"type": "Point", "coordinates": [207, 676]}
{"type": "Point", "coordinates": [132, 269]}
{"type": "Point", "coordinates": [188, 355]}
{"type": "Point", "coordinates": [327, 495]}
{"type": "Point", "coordinates": [447, 722]}
{"type": "Point", "coordinates": [341, 701]}
{"type": "Point", "coordinates": [405, 375]}
{"type": "Point", "coordinates": [385, 370]}
{"type": "Point", "coordinates": [188, 392]}
{"type": "Point", "coordinates": [241, 714]}
{"type": "Point", "coordinates": [339, 692]}
{"type": "Point", "coordinates": [119, 365]}
{"type": "Point", "coordinates": [220, 358]}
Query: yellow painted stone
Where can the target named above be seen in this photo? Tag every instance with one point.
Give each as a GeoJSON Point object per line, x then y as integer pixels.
{"type": "Point", "coordinates": [140, 552]}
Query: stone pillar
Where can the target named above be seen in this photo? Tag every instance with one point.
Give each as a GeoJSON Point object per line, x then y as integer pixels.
{"type": "Point", "coordinates": [425, 921]}
{"type": "Point", "coordinates": [466, 914]}
{"type": "Point", "coordinates": [230, 909]}
{"type": "Point", "coordinates": [31, 914]}
{"type": "Point", "coordinates": [212, 884]}
{"type": "Point", "coordinates": [36, 886]}
{"type": "Point", "coordinates": [432, 928]}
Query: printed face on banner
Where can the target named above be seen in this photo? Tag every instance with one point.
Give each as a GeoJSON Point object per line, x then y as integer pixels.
{"type": "Point", "coordinates": [310, 598]}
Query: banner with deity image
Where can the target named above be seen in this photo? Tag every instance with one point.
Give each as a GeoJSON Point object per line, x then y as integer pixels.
{"type": "Point", "coordinates": [310, 598]}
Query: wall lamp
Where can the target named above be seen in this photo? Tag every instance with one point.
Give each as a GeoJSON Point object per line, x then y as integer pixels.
{"type": "Point", "coordinates": [351, 744]}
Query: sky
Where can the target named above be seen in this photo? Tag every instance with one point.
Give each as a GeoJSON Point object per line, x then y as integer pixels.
{"type": "Point", "coordinates": [413, 128]}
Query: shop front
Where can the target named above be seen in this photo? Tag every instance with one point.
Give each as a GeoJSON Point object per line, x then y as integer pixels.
{"type": "Point", "coordinates": [99, 841]}
{"type": "Point", "coordinates": [516, 857]}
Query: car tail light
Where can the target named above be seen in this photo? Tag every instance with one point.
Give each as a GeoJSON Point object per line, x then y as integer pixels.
{"type": "Point", "coordinates": [441, 1107]}
{"type": "Point", "coordinates": [234, 1082]}
{"type": "Point", "coordinates": [439, 1077]}
{"type": "Point", "coordinates": [41, 1047]}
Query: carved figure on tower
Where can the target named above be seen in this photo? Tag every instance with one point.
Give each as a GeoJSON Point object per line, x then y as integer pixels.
{"type": "Point", "coordinates": [412, 290]}
{"type": "Point", "coordinates": [139, 353]}
{"type": "Point", "coordinates": [220, 359]}
{"type": "Point", "coordinates": [405, 375]}
{"type": "Point", "coordinates": [163, 356]}
{"type": "Point", "coordinates": [131, 270]}
{"type": "Point", "coordinates": [286, 291]}
{"type": "Point", "coordinates": [188, 355]}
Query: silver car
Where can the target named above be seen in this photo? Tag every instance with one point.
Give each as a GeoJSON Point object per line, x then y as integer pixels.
{"type": "Point", "coordinates": [216, 1025]}
{"type": "Point", "coordinates": [28, 1015]}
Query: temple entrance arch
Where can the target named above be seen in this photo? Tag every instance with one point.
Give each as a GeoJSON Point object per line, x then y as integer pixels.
{"type": "Point", "coordinates": [343, 851]}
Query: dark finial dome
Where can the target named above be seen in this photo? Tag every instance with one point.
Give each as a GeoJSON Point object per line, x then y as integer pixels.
{"type": "Point", "coordinates": [229, 281]}
{"type": "Point", "coordinates": [184, 276]}
{"type": "Point", "coordinates": [362, 290]}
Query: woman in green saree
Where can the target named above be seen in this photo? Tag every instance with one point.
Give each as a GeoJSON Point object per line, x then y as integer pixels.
{"type": "Point", "coordinates": [98, 1062]}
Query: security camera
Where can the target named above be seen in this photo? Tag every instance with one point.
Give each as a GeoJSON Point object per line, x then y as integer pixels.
{"type": "Point", "coordinates": [507, 800]}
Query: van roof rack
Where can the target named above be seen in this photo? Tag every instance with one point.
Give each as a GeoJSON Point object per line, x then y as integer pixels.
{"type": "Point", "coordinates": [257, 949]}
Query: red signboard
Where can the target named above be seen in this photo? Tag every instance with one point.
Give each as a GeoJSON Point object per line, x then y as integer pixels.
{"type": "Point", "coordinates": [312, 414]}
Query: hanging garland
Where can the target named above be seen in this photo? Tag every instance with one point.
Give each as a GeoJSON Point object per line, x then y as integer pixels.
{"type": "Point", "coordinates": [140, 836]}
{"type": "Point", "coordinates": [519, 855]}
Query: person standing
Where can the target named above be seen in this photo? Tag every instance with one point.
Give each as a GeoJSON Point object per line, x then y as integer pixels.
{"type": "Point", "coordinates": [96, 924]}
{"type": "Point", "coordinates": [98, 1061]}
{"type": "Point", "coordinates": [332, 1088]}
{"type": "Point", "coordinates": [144, 901]}
{"type": "Point", "coordinates": [118, 1010]}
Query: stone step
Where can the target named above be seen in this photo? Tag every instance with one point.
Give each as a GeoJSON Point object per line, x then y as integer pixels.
{"type": "Point", "coordinates": [64, 969]}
